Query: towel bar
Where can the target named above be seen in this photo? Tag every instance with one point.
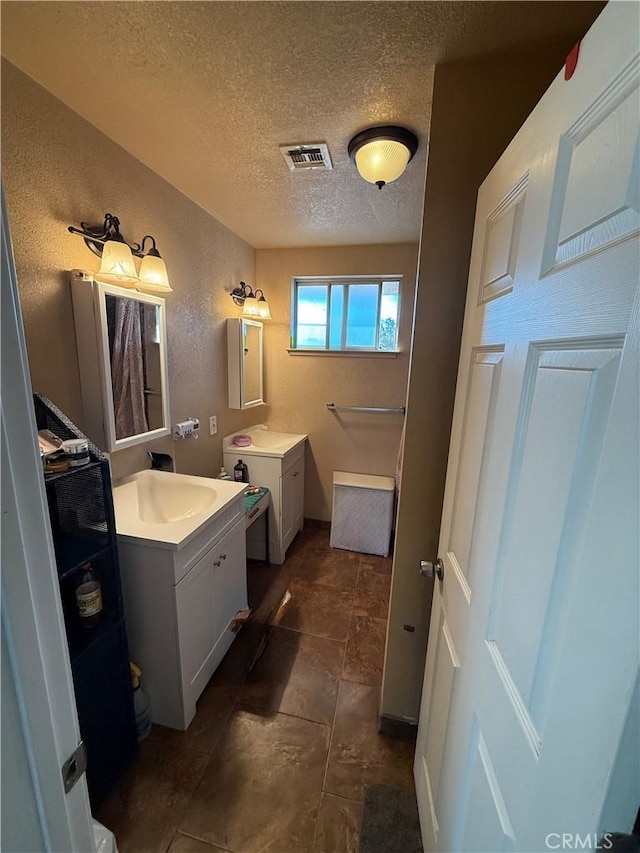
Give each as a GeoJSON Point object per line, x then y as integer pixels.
{"type": "Point", "coordinates": [333, 408]}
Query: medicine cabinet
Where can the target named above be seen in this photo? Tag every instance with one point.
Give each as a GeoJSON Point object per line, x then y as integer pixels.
{"type": "Point", "coordinates": [122, 358]}
{"type": "Point", "coordinates": [245, 363]}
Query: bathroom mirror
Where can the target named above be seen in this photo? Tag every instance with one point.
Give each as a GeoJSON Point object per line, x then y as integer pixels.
{"type": "Point", "coordinates": [245, 364]}
{"type": "Point", "coordinates": [122, 354]}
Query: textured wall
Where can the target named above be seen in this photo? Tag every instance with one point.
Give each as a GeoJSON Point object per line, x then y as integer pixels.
{"type": "Point", "coordinates": [298, 387]}
{"type": "Point", "coordinates": [478, 106]}
{"type": "Point", "coordinates": [58, 170]}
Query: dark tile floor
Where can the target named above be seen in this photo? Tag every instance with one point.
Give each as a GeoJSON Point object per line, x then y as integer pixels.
{"type": "Point", "coordinates": [277, 759]}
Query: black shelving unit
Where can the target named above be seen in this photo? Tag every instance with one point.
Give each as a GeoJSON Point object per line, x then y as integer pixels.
{"type": "Point", "coordinates": [83, 525]}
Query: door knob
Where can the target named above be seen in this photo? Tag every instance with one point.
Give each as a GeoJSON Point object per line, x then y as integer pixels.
{"type": "Point", "coordinates": [432, 570]}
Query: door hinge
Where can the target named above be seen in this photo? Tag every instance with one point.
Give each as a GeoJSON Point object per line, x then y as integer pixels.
{"type": "Point", "coordinates": [74, 767]}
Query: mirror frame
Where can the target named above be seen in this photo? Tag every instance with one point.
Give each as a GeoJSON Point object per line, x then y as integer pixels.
{"type": "Point", "coordinates": [101, 291]}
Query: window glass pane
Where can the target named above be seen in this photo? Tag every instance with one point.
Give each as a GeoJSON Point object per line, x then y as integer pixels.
{"type": "Point", "coordinates": [389, 302]}
{"type": "Point", "coordinates": [362, 314]}
{"type": "Point", "coordinates": [347, 314]}
{"type": "Point", "coordinates": [335, 316]}
{"type": "Point", "coordinates": [312, 315]}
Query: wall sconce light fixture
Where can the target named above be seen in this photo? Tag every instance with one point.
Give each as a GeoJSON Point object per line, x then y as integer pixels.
{"type": "Point", "coordinates": [116, 257]}
{"type": "Point", "coordinates": [381, 154]}
{"type": "Point", "coordinates": [252, 305]}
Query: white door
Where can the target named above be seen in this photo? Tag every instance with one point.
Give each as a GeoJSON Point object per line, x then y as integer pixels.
{"type": "Point", "coordinates": [39, 721]}
{"type": "Point", "coordinates": [533, 645]}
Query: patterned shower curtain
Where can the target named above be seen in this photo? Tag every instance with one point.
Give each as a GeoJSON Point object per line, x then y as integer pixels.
{"type": "Point", "coordinates": [127, 373]}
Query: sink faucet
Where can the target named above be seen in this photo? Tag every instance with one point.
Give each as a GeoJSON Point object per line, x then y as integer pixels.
{"type": "Point", "coordinates": [161, 461]}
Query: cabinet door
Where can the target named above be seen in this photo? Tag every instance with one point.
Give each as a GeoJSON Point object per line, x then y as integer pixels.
{"type": "Point", "coordinates": [244, 350]}
{"type": "Point", "coordinates": [196, 623]}
{"type": "Point", "coordinates": [292, 492]}
{"type": "Point", "coordinates": [229, 578]}
{"type": "Point", "coordinates": [207, 599]}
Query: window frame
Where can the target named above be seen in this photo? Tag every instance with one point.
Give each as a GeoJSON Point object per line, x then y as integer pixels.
{"type": "Point", "coordinates": [327, 281]}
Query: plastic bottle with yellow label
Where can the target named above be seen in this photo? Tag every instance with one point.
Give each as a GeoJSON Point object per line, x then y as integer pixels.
{"type": "Point", "coordinates": [89, 597]}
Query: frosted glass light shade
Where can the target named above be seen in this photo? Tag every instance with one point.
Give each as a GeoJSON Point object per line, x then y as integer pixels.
{"type": "Point", "coordinates": [153, 275]}
{"type": "Point", "coordinates": [263, 309]}
{"type": "Point", "coordinates": [382, 161]}
{"type": "Point", "coordinates": [250, 307]}
{"type": "Point", "coordinates": [117, 266]}
{"type": "Point", "coordinates": [381, 153]}
{"type": "Point", "coordinates": [256, 308]}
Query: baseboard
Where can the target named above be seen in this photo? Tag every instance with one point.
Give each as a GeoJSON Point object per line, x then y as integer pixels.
{"type": "Point", "coordinates": [319, 524]}
{"type": "Point", "coordinates": [397, 727]}
{"type": "Point", "coordinates": [316, 524]}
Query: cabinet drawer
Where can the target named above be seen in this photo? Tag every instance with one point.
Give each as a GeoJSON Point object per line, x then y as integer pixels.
{"type": "Point", "coordinates": [291, 459]}
{"type": "Point", "coordinates": [187, 557]}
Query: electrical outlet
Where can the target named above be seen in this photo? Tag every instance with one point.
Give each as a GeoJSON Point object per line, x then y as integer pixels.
{"type": "Point", "coordinates": [213, 425]}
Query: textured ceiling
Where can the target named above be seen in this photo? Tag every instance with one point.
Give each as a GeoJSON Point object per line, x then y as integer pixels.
{"type": "Point", "coordinates": [204, 93]}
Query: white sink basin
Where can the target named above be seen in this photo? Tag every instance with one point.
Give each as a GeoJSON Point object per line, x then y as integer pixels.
{"type": "Point", "coordinates": [166, 507]}
{"type": "Point", "coordinates": [270, 440]}
{"type": "Point", "coordinates": [162, 502]}
{"type": "Point", "coordinates": [265, 442]}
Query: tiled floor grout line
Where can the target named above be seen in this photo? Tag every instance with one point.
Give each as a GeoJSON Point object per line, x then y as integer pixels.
{"type": "Point", "coordinates": [309, 634]}
{"type": "Point", "coordinates": [335, 710]}
{"type": "Point", "coordinates": [256, 711]}
{"type": "Point", "coordinates": [333, 723]}
{"type": "Point", "coordinates": [315, 823]}
{"type": "Point", "coordinates": [340, 683]}
{"type": "Point", "coordinates": [342, 797]}
{"type": "Point", "coordinates": [180, 815]}
{"type": "Point", "coordinates": [201, 840]}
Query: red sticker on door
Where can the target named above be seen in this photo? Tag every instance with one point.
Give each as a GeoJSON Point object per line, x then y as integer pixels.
{"type": "Point", "coordinates": [571, 61]}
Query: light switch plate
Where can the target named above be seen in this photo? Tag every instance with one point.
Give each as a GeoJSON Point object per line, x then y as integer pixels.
{"type": "Point", "coordinates": [213, 425]}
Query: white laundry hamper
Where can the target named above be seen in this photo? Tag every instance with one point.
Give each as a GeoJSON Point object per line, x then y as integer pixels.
{"type": "Point", "coordinates": [362, 512]}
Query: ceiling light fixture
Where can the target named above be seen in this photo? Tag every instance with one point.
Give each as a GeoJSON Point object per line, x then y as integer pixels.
{"type": "Point", "coordinates": [252, 305]}
{"type": "Point", "coordinates": [381, 153]}
{"type": "Point", "coordinates": [116, 257]}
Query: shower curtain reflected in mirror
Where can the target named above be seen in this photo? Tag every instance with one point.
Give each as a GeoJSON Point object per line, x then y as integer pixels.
{"type": "Point", "coordinates": [127, 370]}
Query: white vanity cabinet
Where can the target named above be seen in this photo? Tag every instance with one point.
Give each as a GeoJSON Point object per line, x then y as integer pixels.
{"type": "Point", "coordinates": [274, 460]}
{"type": "Point", "coordinates": [179, 603]}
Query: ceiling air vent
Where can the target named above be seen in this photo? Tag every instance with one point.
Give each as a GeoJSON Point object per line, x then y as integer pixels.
{"type": "Point", "coordinates": [312, 156]}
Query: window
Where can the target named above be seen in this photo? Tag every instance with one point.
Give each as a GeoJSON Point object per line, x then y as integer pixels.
{"type": "Point", "coordinates": [348, 314]}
